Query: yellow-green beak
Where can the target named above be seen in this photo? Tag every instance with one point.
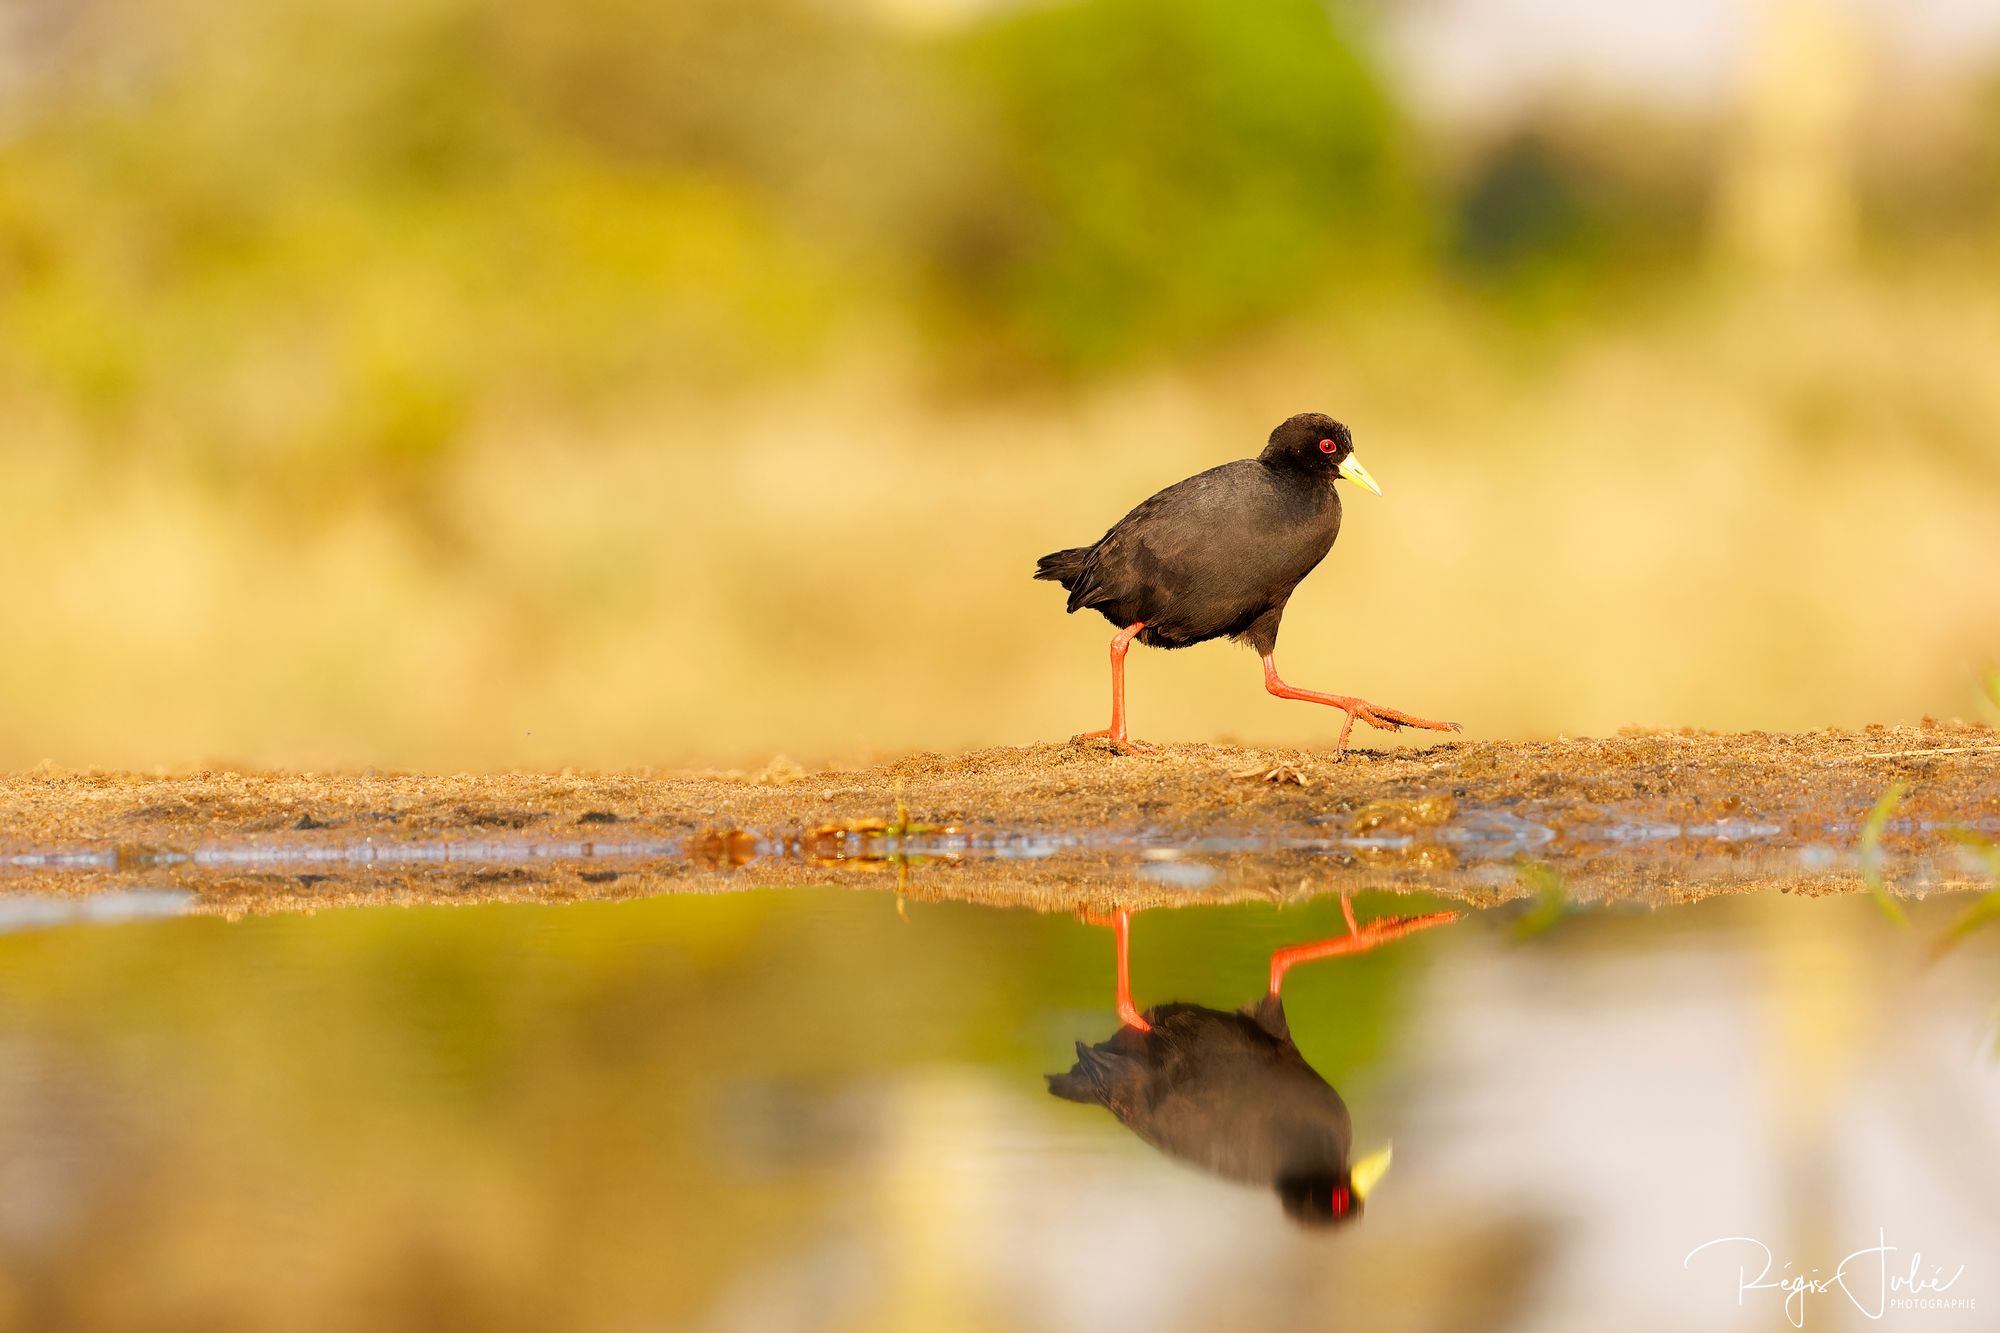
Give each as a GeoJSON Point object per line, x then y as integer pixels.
{"type": "Point", "coordinates": [1351, 469]}
{"type": "Point", "coordinates": [1367, 1173]}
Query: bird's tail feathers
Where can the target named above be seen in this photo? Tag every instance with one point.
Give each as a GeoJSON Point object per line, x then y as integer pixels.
{"type": "Point", "coordinates": [1095, 1077]}
{"type": "Point", "coordinates": [1063, 567]}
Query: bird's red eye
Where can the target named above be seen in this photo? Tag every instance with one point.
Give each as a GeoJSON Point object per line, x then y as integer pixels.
{"type": "Point", "coordinates": [1327, 446]}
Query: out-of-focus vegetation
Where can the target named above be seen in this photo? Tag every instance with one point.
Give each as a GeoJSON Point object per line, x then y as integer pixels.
{"type": "Point", "coordinates": [449, 382]}
{"type": "Point", "coordinates": [406, 210]}
{"type": "Point", "coordinates": [1985, 908]}
{"type": "Point", "coordinates": [1551, 899]}
{"type": "Point", "coordinates": [1871, 851]}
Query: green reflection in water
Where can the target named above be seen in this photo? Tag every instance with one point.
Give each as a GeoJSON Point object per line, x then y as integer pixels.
{"type": "Point", "coordinates": [520, 1116]}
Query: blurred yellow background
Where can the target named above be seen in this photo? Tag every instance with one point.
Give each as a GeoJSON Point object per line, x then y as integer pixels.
{"type": "Point", "coordinates": [449, 383]}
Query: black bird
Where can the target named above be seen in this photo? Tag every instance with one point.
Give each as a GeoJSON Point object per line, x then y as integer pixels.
{"type": "Point", "coordinates": [1229, 1092]}
{"type": "Point", "coordinates": [1217, 556]}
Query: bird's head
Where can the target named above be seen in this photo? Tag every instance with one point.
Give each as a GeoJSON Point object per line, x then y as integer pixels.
{"type": "Point", "coordinates": [1328, 1198]}
{"type": "Point", "coordinates": [1316, 440]}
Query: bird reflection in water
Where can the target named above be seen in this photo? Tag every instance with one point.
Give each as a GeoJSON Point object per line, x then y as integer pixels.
{"type": "Point", "coordinates": [1228, 1091]}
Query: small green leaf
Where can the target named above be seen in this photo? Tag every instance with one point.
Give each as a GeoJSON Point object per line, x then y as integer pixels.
{"type": "Point", "coordinates": [1980, 844]}
{"type": "Point", "coordinates": [1551, 894]}
{"type": "Point", "coordinates": [1987, 908]}
{"type": "Point", "coordinates": [1871, 851]}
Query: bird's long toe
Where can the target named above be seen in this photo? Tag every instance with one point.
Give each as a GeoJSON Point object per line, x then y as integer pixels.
{"type": "Point", "coordinates": [1393, 718]}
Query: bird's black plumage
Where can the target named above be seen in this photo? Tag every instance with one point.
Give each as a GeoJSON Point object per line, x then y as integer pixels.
{"type": "Point", "coordinates": [1227, 1092]}
{"type": "Point", "coordinates": [1219, 554]}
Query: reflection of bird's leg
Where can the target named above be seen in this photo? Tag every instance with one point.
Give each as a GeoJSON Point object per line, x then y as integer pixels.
{"type": "Point", "coordinates": [1358, 939]}
{"type": "Point", "coordinates": [1115, 733]}
{"type": "Point", "coordinates": [1120, 922]}
{"type": "Point", "coordinates": [1375, 715]}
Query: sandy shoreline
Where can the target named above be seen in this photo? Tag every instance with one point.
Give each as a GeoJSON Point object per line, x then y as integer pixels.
{"type": "Point", "coordinates": [1649, 816]}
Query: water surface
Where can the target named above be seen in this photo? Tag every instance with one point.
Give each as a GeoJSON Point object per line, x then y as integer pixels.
{"type": "Point", "coordinates": [826, 1109]}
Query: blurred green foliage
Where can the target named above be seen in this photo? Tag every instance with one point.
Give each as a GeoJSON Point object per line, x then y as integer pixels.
{"type": "Point", "coordinates": [310, 227]}
{"type": "Point", "coordinates": [1178, 167]}
{"type": "Point", "coordinates": [1554, 213]}
{"type": "Point", "coordinates": [289, 238]}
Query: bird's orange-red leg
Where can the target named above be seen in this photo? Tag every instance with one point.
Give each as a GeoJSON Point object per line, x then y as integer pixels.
{"type": "Point", "coordinates": [1120, 922]}
{"type": "Point", "coordinates": [1358, 939]}
{"type": "Point", "coordinates": [1375, 715]}
{"type": "Point", "coordinates": [1115, 733]}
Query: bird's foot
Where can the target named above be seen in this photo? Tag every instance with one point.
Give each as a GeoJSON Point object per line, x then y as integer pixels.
{"type": "Point", "coordinates": [1358, 939]}
{"type": "Point", "coordinates": [1119, 741]}
{"type": "Point", "coordinates": [1395, 719]}
{"type": "Point", "coordinates": [1379, 716]}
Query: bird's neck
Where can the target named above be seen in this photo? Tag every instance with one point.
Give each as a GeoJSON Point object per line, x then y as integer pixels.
{"type": "Point", "coordinates": [1292, 468]}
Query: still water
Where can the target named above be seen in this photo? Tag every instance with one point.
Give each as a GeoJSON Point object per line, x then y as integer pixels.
{"type": "Point", "coordinates": [828, 1109]}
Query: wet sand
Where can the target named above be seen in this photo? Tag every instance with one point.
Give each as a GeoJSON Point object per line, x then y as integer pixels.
{"type": "Point", "coordinates": [1651, 816]}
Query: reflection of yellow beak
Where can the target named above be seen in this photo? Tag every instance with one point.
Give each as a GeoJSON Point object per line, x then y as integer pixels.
{"type": "Point", "coordinates": [1367, 1173]}
{"type": "Point", "coordinates": [1351, 469]}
